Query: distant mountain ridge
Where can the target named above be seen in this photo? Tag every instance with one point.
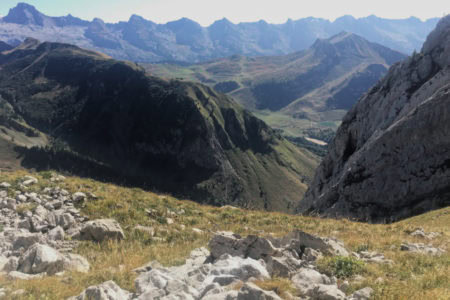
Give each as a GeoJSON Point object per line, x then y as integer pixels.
{"type": "Point", "coordinates": [318, 84]}
{"type": "Point", "coordinates": [186, 41]}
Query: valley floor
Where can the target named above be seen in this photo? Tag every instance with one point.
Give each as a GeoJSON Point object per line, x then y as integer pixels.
{"type": "Point", "coordinates": [181, 226]}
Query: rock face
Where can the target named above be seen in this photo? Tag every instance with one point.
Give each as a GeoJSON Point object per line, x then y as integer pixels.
{"type": "Point", "coordinates": [390, 157]}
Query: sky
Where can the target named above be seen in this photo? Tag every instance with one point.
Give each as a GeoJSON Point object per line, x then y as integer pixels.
{"type": "Point", "coordinates": [206, 12]}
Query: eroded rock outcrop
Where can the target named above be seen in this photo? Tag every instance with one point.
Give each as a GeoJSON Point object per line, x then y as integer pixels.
{"type": "Point", "coordinates": [35, 225]}
{"type": "Point", "coordinates": [390, 156]}
{"type": "Point", "coordinates": [231, 269]}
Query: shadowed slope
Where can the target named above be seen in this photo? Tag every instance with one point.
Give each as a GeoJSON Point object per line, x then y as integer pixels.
{"type": "Point", "coordinates": [175, 136]}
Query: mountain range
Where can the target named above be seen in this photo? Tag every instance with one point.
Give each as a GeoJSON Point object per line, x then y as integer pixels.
{"type": "Point", "coordinates": [186, 41]}
{"type": "Point", "coordinates": [313, 87]}
{"type": "Point", "coordinates": [390, 158]}
{"type": "Point", "coordinates": [94, 116]}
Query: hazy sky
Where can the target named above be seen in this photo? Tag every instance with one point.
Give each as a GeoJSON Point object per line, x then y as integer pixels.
{"type": "Point", "coordinates": [207, 11]}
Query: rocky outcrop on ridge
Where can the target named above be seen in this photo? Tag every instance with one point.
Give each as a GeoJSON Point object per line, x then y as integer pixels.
{"type": "Point", "coordinates": [390, 157]}
{"type": "Point", "coordinates": [142, 40]}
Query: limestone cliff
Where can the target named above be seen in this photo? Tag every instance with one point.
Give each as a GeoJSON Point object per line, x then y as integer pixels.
{"type": "Point", "coordinates": [391, 156]}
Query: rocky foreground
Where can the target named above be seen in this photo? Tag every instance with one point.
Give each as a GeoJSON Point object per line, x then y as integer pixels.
{"type": "Point", "coordinates": [41, 229]}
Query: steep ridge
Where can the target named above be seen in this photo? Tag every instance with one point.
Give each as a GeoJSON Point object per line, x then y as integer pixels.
{"type": "Point", "coordinates": [318, 85]}
{"type": "Point", "coordinates": [186, 41]}
{"type": "Point", "coordinates": [390, 156]}
{"type": "Point", "coordinates": [4, 46]}
{"type": "Point", "coordinates": [25, 14]}
{"type": "Point", "coordinates": [109, 119]}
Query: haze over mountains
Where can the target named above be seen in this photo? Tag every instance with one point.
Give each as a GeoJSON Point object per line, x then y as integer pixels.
{"type": "Point", "coordinates": [315, 85]}
{"type": "Point", "coordinates": [186, 41]}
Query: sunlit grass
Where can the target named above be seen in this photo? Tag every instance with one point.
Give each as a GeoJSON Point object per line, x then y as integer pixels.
{"type": "Point", "coordinates": [411, 276]}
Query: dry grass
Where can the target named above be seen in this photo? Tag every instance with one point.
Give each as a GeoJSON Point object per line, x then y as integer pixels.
{"type": "Point", "coordinates": [411, 276]}
{"type": "Point", "coordinates": [282, 286]}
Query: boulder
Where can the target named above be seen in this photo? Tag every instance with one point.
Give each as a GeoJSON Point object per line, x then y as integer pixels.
{"type": "Point", "coordinates": [241, 268]}
{"type": "Point", "coordinates": [324, 245]}
{"type": "Point", "coordinates": [75, 262]}
{"type": "Point", "coordinates": [41, 258]}
{"type": "Point", "coordinates": [225, 242]}
{"type": "Point", "coordinates": [252, 246]}
{"type": "Point", "coordinates": [315, 285]}
{"type": "Point", "coordinates": [15, 275]}
{"type": "Point", "coordinates": [373, 257]}
{"type": "Point", "coordinates": [228, 295]}
{"type": "Point", "coordinates": [419, 232]}
{"type": "Point", "coordinates": [5, 185]}
{"type": "Point", "coordinates": [145, 229]}
{"type": "Point", "coordinates": [147, 267]}
{"type": "Point", "coordinates": [362, 294]}
{"type": "Point", "coordinates": [26, 239]}
{"type": "Point", "coordinates": [210, 290]}
{"type": "Point", "coordinates": [78, 197]}
{"type": "Point", "coordinates": [28, 180]}
{"type": "Point", "coordinates": [3, 262]}
{"type": "Point", "coordinates": [326, 292]}
{"type": "Point", "coordinates": [65, 220]}
{"type": "Point", "coordinates": [108, 290]}
{"type": "Point", "coordinates": [153, 280]}
{"type": "Point", "coordinates": [307, 277]}
{"type": "Point", "coordinates": [284, 266]}
{"type": "Point", "coordinates": [421, 248]}
{"type": "Point", "coordinates": [56, 234]}
{"type": "Point", "coordinates": [102, 229]}
{"type": "Point", "coordinates": [11, 265]}
{"type": "Point", "coordinates": [311, 255]}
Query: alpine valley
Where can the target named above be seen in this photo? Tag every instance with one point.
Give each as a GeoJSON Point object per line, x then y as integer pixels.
{"type": "Point", "coordinates": [301, 161]}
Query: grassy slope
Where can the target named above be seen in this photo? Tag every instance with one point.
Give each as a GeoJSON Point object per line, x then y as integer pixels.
{"type": "Point", "coordinates": [411, 276]}
{"type": "Point", "coordinates": [295, 87]}
{"type": "Point", "coordinates": [243, 70]}
{"type": "Point", "coordinates": [121, 111]}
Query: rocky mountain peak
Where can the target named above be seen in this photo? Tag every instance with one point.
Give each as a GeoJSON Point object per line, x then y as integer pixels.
{"type": "Point", "coordinates": [24, 14]}
{"type": "Point", "coordinates": [343, 44]}
{"type": "Point", "coordinates": [438, 42]}
{"type": "Point", "coordinates": [29, 43]}
{"type": "Point", "coordinates": [223, 23]}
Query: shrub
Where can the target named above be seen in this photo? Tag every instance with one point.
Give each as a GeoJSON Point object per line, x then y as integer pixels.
{"type": "Point", "coordinates": [340, 266]}
{"type": "Point", "coordinates": [362, 247]}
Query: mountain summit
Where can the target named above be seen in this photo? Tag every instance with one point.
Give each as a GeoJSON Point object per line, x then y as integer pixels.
{"type": "Point", "coordinates": [26, 14]}
{"type": "Point", "coordinates": [390, 156]}
{"type": "Point", "coordinates": [185, 40]}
